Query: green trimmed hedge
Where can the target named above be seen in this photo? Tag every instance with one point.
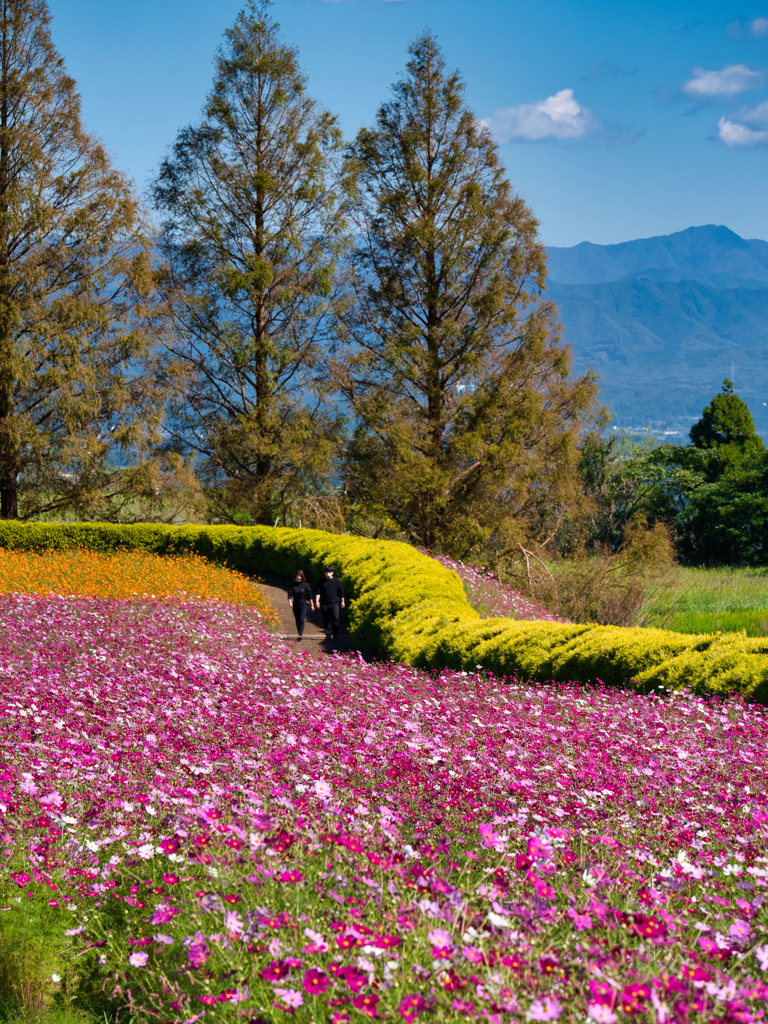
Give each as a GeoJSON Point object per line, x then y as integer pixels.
{"type": "Point", "coordinates": [409, 608]}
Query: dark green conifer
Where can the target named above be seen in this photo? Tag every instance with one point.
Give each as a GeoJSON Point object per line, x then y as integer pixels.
{"type": "Point", "coordinates": [725, 421]}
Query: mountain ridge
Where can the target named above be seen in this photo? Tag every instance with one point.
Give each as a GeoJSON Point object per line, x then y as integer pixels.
{"type": "Point", "coordinates": [711, 254]}
{"type": "Point", "coordinates": [663, 320]}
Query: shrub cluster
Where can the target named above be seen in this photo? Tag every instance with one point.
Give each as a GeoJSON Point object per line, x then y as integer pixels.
{"type": "Point", "coordinates": [409, 608]}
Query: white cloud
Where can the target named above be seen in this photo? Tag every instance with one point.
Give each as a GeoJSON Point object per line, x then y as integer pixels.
{"type": "Point", "coordinates": [559, 118]}
{"type": "Point", "coordinates": [740, 136]}
{"type": "Point", "coordinates": [758, 27]}
{"type": "Point", "coordinates": [746, 129]}
{"type": "Point", "coordinates": [733, 79]}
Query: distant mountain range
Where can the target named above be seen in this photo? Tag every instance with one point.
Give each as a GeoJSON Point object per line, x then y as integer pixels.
{"type": "Point", "coordinates": [663, 320]}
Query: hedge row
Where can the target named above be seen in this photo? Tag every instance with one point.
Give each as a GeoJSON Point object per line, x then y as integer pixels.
{"type": "Point", "coordinates": [409, 608]}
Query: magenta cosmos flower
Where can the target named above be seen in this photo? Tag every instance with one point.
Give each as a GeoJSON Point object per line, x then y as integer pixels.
{"type": "Point", "coordinates": [315, 982]}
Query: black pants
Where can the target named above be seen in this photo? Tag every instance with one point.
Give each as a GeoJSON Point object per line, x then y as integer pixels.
{"type": "Point", "coordinates": [300, 616]}
{"type": "Point", "coordinates": [331, 616]}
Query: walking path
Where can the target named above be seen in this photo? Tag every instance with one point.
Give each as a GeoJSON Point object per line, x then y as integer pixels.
{"type": "Point", "coordinates": [314, 636]}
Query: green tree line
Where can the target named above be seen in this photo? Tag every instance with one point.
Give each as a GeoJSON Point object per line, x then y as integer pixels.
{"type": "Point", "coordinates": [299, 328]}
{"type": "Point", "coordinates": [711, 495]}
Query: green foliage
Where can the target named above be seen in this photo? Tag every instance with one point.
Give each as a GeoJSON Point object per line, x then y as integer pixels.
{"type": "Point", "coordinates": [466, 419]}
{"type": "Point", "coordinates": [624, 480]}
{"type": "Point", "coordinates": [409, 608]}
{"type": "Point", "coordinates": [253, 232]}
{"type": "Point", "coordinates": [75, 289]}
{"type": "Point", "coordinates": [753, 623]}
{"type": "Point", "coordinates": [713, 494]}
{"type": "Point", "coordinates": [40, 981]}
{"type": "Point", "coordinates": [725, 421]}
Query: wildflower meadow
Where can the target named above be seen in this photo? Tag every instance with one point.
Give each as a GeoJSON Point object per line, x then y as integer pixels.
{"type": "Point", "coordinates": [197, 822]}
{"type": "Point", "coordinates": [492, 598]}
{"type": "Point", "coordinates": [127, 574]}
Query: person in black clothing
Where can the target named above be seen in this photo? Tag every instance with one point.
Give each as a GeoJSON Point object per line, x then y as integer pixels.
{"type": "Point", "coordinates": [330, 600]}
{"type": "Point", "coordinates": [300, 598]}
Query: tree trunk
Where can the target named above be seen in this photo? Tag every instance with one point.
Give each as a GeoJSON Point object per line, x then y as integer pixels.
{"type": "Point", "coordinates": [9, 495]}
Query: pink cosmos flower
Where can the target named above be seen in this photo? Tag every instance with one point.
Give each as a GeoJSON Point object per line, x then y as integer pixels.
{"type": "Point", "coordinates": [138, 959]}
{"type": "Point", "coordinates": [544, 890]}
{"type": "Point", "coordinates": [276, 970]}
{"type": "Point", "coordinates": [473, 955]}
{"type": "Point", "coordinates": [317, 943]}
{"type": "Point", "coordinates": [291, 876]}
{"type": "Point", "coordinates": [761, 952]}
{"type": "Point", "coordinates": [169, 845]}
{"type": "Point", "coordinates": [234, 924]}
{"type": "Point", "coordinates": [366, 1004]}
{"type": "Point", "coordinates": [464, 1007]}
{"type": "Point", "coordinates": [171, 879]}
{"type": "Point", "coordinates": [547, 1008]}
{"type": "Point", "coordinates": [354, 978]}
{"type": "Point", "coordinates": [649, 927]}
{"type": "Point", "coordinates": [290, 997]}
{"type": "Point", "coordinates": [315, 982]}
{"type": "Point", "coordinates": [165, 940]}
{"type": "Point", "coordinates": [197, 950]}
{"type": "Point", "coordinates": [410, 1007]}
{"type": "Point", "coordinates": [580, 921]}
{"type": "Point", "coordinates": [634, 996]}
{"type": "Point", "coordinates": [740, 931]}
{"type": "Point", "coordinates": [53, 799]}
{"type": "Point", "coordinates": [548, 964]}
{"type": "Point", "coordinates": [235, 995]}
{"type": "Point", "coordinates": [602, 992]}
{"type": "Point", "coordinates": [163, 914]}
{"type": "Point", "coordinates": [490, 839]}
{"type": "Point", "coordinates": [707, 944]}
{"type": "Point", "coordinates": [601, 1013]}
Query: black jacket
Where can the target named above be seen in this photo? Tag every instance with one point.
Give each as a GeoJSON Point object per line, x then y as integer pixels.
{"type": "Point", "coordinates": [300, 594]}
{"type": "Point", "coordinates": [330, 591]}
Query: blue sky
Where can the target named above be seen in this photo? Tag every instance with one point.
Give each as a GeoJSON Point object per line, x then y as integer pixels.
{"type": "Point", "coordinates": [615, 121]}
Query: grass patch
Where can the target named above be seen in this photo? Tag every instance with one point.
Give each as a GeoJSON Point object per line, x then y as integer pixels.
{"type": "Point", "coordinates": [754, 623]}
{"type": "Point", "coordinates": [696, 600]}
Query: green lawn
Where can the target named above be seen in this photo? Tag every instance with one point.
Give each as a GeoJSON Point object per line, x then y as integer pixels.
{"type": "Point", "coordinates": [707, 600]}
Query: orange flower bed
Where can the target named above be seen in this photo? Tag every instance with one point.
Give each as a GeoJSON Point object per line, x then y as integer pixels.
{"type": "Point", "coordinates": [128, 574]}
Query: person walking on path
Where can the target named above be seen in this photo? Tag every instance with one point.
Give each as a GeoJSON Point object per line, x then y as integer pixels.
{"type": "Point", "coordinates": [330, 600]}
{"type": "Point", "coordinates": [300, 598]}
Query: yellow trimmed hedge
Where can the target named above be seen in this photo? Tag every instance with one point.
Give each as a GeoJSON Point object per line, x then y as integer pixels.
{"type": "Point", "coordinates": [409, 608]}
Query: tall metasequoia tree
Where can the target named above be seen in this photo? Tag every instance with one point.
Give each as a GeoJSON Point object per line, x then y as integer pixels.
{"type": "Point", "coordinates": [73, 270]}
{"type": "Point", "coordinates": [252, 234]}
{"type": "Point", "coordinates": [466, 417]}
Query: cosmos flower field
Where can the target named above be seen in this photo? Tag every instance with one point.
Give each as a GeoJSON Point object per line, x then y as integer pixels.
{"type": "Point", "coordinates": [206, 825]}
{"type": "Point", "coordinates": [491, 597]}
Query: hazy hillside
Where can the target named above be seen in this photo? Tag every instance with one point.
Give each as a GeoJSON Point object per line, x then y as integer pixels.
{"type": "Point", "coordinates": [664, 319]}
